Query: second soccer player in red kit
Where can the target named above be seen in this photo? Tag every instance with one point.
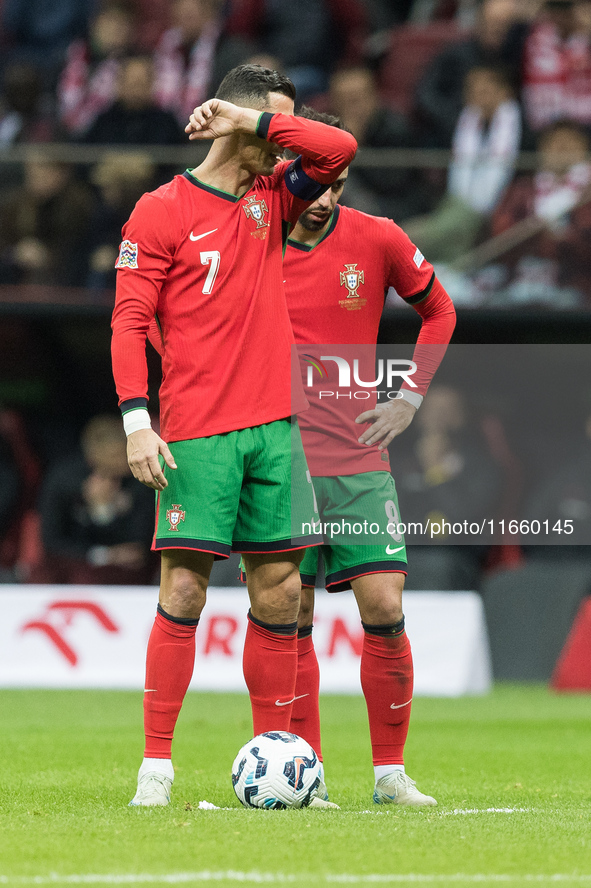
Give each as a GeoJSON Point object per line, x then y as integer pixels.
{"type": "Point", "coordinates": [203, 255]}
{"type": "Point", "coordinates": [339, 264]}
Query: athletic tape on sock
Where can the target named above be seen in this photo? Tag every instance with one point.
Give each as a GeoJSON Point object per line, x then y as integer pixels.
{"type": "Point", "coordinates": [305, 631]}
{"type": "Point", "coordinates": [182, 621]}
{"type": "Point", "coordinates": [277, 628]}
{"type": "Point", "coordinates": [391, 629]}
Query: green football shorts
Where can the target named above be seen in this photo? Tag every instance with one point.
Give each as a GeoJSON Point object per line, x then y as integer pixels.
{"type": "Point", "coordinates": [360, 526]}
{"type": "Point", "coordinates": [243, 491]}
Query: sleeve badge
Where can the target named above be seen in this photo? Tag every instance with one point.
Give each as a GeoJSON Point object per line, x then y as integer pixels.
{"type": "Point", "coordinates": [127, 255]}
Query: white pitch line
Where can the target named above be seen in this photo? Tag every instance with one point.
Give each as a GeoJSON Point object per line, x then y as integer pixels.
{"type": "Point", "coordinates": [290, 878]}
{"type": "Point", "coordinates": [455, 811]}
{"type": "Point", "coordinates": [209, 806]}
{"type": "Point", "coordinates": [461, 878]}
{"type": "Point", "coordinates": [484, 811]}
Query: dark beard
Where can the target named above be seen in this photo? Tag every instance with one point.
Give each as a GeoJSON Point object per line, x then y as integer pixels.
{"type": "Point", "coordinates": [310, 225]}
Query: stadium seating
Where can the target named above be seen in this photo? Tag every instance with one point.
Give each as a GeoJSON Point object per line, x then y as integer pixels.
{"type": "Point", "coordinates": [153, 19]}
{"type": "Point", "coordinates": [411, 47]}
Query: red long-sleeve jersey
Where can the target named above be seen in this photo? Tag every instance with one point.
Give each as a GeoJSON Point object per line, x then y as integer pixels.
{"type": "Point", "coordinates": [335, 295]}
{"type": "Point", "coordinates": [208, 266]}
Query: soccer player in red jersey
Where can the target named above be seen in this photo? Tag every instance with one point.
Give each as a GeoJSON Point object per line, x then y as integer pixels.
{"type": "Point", "coordinates": [203, 256]}
{"type": "Point", "coordinates": [339, 264]}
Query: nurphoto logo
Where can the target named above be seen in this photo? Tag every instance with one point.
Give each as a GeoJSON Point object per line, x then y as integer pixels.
{"type": "Point", "coordinates": [389, 371]}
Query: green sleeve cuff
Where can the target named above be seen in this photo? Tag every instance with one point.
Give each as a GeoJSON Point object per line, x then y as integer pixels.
{"type": "Point", "coordinates": [263, 124]}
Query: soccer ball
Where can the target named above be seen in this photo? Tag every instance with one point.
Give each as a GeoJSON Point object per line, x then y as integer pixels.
{"type": "Point", "coordinates": [276, 770]}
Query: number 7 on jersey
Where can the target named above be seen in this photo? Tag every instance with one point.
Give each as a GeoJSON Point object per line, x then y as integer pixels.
{"type": "Point", "coordinates": [211, 258]}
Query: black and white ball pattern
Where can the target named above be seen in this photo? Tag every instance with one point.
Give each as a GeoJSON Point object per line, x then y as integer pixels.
{"type": "Point", "coordinates": [276, 770]}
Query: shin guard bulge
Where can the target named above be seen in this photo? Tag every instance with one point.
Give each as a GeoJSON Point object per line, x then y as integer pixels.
{"type": "Point", "coordinates": [270, 666]}
{"type": "Point", "coordinates": [305, 714]}
{"type": "Point", "coordinates": [387, 682]}
{"type": "Point", "coordinates": [169, 666]}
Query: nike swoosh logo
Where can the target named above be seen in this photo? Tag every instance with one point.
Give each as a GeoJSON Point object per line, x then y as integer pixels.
{"type": "Point", "coordinates": [195, 237]}
{"type": "Point", "coordinates": [401, 705]}
{"type": "Point", "coordinates": [287, 703]}
{"type": "Point", "coordinates": [390, 551]}
{"type": "Point", "coordinates": [150, 690]}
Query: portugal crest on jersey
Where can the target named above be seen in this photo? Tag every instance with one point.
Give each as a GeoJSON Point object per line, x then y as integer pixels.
{"type": "Point", "coordinates": [174, 516]}
{"type": "Point", "coordinates": [256, 209]}
{"type": "Point", "coordinates": [351, 278]}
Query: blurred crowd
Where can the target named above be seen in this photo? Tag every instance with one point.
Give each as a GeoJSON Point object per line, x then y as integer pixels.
{"type": "Point", "coordinates": [482, 79]}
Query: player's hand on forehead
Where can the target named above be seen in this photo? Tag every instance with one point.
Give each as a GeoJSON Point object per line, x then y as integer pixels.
{"type": "Point", "coordinates": [216, 118]}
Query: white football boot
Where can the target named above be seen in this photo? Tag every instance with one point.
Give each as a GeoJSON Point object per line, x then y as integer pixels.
{"type": "Point", "coordinates": [398, 789]}
{"type": "Point", "coordinates": [153, 786]}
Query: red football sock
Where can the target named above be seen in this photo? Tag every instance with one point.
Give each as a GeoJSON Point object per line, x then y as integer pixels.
{"type": "Point", "coordinates": [305, 715]}
{"type": "Point", "coordinates": [270, 666]}
{"type": "Point", "coordinates": [169, 667]}
{"type": "Point", "coordinates": [387, 682]}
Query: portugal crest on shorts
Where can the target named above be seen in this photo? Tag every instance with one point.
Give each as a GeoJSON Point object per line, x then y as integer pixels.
{"type": "Point", "coordinates": [174, 516]}
{"type": "Point", "coordinates": [256, 208]}
{"type": "Point", "coordinates": [351, 278]}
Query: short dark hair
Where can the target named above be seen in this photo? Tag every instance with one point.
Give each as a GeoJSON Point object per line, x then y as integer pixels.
{"type": "Point", "coordinates": [321, 117]}
{"type": "Point", "coordinates": [249, 85]}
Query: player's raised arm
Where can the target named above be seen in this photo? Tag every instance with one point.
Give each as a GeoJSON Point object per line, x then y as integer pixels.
{"type": "Point", "coordinates": [217, 118]}
{"type": "Point", "coordinates": [325, 150]}
{"type": "Point", "coordinates": [143, 262]}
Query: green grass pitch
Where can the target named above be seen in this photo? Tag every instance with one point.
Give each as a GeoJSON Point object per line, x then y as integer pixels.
{"type": "Point", "coordinates": [69, 759]}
